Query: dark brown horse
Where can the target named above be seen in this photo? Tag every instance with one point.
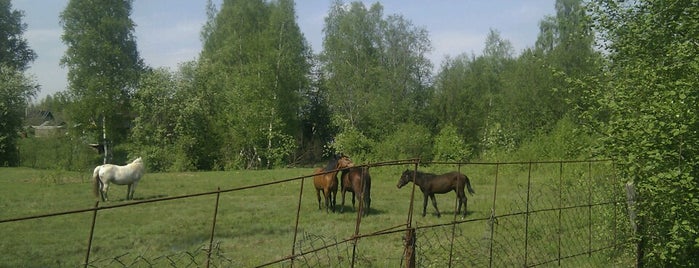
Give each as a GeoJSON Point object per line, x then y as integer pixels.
{"type": "Point", "coordinates": [358, 181]}
{"type": "Point", "coordinates": [431, 184]}
{"type": "Point", "coordinates": [326, 180]}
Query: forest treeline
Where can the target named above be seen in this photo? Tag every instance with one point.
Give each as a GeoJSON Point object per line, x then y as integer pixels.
{"type": "Point", "coordinates": [258, 97]}
{"type": "Point", "coordinates": [604, 79]}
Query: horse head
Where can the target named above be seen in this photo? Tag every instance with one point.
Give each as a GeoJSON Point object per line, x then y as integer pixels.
{"type": "Point", "coordinates": [343, 161]}
{"type": "Point", "coordinates": [405, 178]}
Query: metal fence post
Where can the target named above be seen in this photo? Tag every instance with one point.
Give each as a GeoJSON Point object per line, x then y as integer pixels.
{"type": "Point", "coordinates": [409, 251]}
{"type": "Point", "coordinates": [526, 216]}
{"type": "Point", "coordinates": [213, 229]}
{"type": "Point", "coordinates": [296, 225]}
{"type": "Point", "coordinates": [92, 231]}
{"type": "Point", "coordinates": [493, 220]}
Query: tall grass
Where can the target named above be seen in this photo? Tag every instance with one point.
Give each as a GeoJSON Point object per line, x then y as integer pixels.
{"type": "Point", "coordinates": [255, 226]}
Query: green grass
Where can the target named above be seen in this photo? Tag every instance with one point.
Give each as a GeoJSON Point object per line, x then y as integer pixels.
{"type": "Point", "coordinates": [255, 226]}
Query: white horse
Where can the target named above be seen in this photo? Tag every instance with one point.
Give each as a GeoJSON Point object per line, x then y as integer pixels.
{"type": "Point", "coordinates": [120, 175]}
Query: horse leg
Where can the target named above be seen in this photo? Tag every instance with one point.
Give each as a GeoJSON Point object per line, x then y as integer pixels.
{"type": "Point", "coordinates": [424, 206]}
{"type": "Point", "coordinates": [368, 203]}
{"type": "Point", "coordinates": [326, 193]}
{"type": "Point", "coordinates": [342, 206]}
{"type": "Point", "coordinates": [318, 195]}
{"type": "Point", "coordinates": [334, 199]}
{"type": "Point", "coordinates": [353, 200]}
{"type": "Point", "coordinates": [133, 189]}
{"type": "Point", "coordinates": [460, 199]}
{"type": "Point", "coordinates": [128, 191]}
{"type": "Point", "coordinates": [465, 200]}
{"type": "Point", "coordinates": [103, 192]}
{"type": "Point", "coordinates": [434, 203]}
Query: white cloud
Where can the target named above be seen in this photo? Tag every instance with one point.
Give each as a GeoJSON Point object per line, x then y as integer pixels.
{"type": "Point", "coordinates": [168, 45]}
{"type": "Point", "coordinates": [453, 43]}
{"type": "Point", "coordinates": [43, 35]}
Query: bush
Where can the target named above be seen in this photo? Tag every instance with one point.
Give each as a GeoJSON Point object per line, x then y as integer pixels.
{"type": "Point", "coordinates": [408, 141]}
{"type": "Point", "coordinates": [448, 146]}
{"type": "Point", "coordinates": [353, 143]}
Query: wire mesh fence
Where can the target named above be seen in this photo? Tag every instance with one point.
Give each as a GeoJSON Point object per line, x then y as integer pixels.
{"type": "Point", "coordinates": [561, 213]}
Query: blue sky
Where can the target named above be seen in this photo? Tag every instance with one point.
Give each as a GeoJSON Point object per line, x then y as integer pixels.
{"type": "Point", "coordinates": [167, 31]}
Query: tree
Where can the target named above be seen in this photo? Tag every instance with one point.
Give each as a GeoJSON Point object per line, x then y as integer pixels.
{"type": "Point", "coordinates": [103, 67]}
{"type": "Point", "coordinates": [468, 92]}
{"type": "Point", "coordinates": [15, 52]}
{"type": "Point", "coordinates": [376, 69]}
{"type": "Point", "coordinates": [258, 63]}
{"type": "Point", "coordinates": [16, 89]}
{"type": "Point", "coordinates": [153, 134]}
{"type": "Point", "coordinates": [645, 107]}
{"type": "Point", "coordinates": [458, 101]}
{"type": "Point", "coordinates": [565, 44]}
{"type": "Point", "coordinates": [449, 146]}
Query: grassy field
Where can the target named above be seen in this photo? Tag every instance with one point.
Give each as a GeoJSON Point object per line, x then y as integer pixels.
{"type": "Point", "coordinates": [256, 226]}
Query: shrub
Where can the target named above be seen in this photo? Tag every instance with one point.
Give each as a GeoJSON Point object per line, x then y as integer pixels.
{"type": "Point", "coordinates": [448, 146]}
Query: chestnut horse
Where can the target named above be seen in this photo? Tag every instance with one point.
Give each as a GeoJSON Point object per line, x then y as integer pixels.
{"type": "Point", "coordinates": [358, 181]}
{"type": "Point", "coordinates": [431, 184]}
{"type": "Point", "coordinates": [325, 180]}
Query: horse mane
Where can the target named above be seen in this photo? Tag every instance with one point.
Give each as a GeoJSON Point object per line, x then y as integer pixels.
{"type": "Point", "coordinates": [423, 175]}
{"type": "Point", "coordinates": [333, 162]}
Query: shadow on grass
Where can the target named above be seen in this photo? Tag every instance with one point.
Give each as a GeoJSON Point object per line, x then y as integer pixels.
{"type": "Point", "coordinates": [140, 198]}
{"type": "Point", "coordinates": [349, 209]}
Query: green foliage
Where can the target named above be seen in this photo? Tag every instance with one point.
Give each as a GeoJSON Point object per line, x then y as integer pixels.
{"type": "Point", "coordinates": [469, 92]}
{"type": "Point", "coordinates": [103, 66]}
{"type": "Point", "coordinates": [15, 52]}
{"type": "Point", "coordinates": [255, 60]}
{"type": "Point", "coordinates": [449, 146]}
{"type": "Point", "coordinates": [566, 141]}
{"type": "Point", "coordinates": [57, 153]}
{"type": "Point", "coordinates": [172, 130]}
{"type": "Point", "coordinates": [645, 105]}
{"type": "Point", "coordinates": [410, 140]}
{"type": "Point", "coordinates": [16, 90]}
{"type": "Point", "coordinates": [354, 143]}
{"type": "Point", "coordinates": [376, 68]}
{"type": "Point", "coordinates": [282, 152]}
{"type": "Point", "coordinates": [153, 133]}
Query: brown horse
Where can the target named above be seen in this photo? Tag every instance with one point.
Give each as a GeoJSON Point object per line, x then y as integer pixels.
{"type": "Point", "coordinates": [325, 180]}
{"type": "Point", "coordinates": [358, 181]}
{"type": "Point", "coordinates": [431, 184]}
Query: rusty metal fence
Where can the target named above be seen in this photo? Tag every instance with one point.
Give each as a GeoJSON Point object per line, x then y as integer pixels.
{"type": "Point", "coordinates": [575, 218]}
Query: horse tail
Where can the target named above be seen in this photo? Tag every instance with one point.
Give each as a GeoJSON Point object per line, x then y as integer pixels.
{"type": "Point", "coordinates": [366, 192]}
{"type": "Point", "coordinates": [468, 185]}
{"type": "Point", "coordinates": [96, 181]}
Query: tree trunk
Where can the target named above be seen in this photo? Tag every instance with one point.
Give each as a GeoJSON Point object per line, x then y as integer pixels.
{"type": "Point", "coordinates": [107, 148]}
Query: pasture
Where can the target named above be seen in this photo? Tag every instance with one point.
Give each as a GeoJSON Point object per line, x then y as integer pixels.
{"type": "Point", "coordinates": [255, 226]}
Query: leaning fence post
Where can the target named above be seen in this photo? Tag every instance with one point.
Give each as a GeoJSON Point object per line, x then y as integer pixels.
{"type": "Point", "coordinates": [493, 219]}
{"type": "Point", "coordinates": [409, 254]}
{"type": "Point", "coordinates": [92, 231]}
{"type": "Point", "coordinates": [213, 229]}
{"type": "Point", "coordinates": [296, 225]}
{"type": "Point", "coordinates": [526, 215]}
